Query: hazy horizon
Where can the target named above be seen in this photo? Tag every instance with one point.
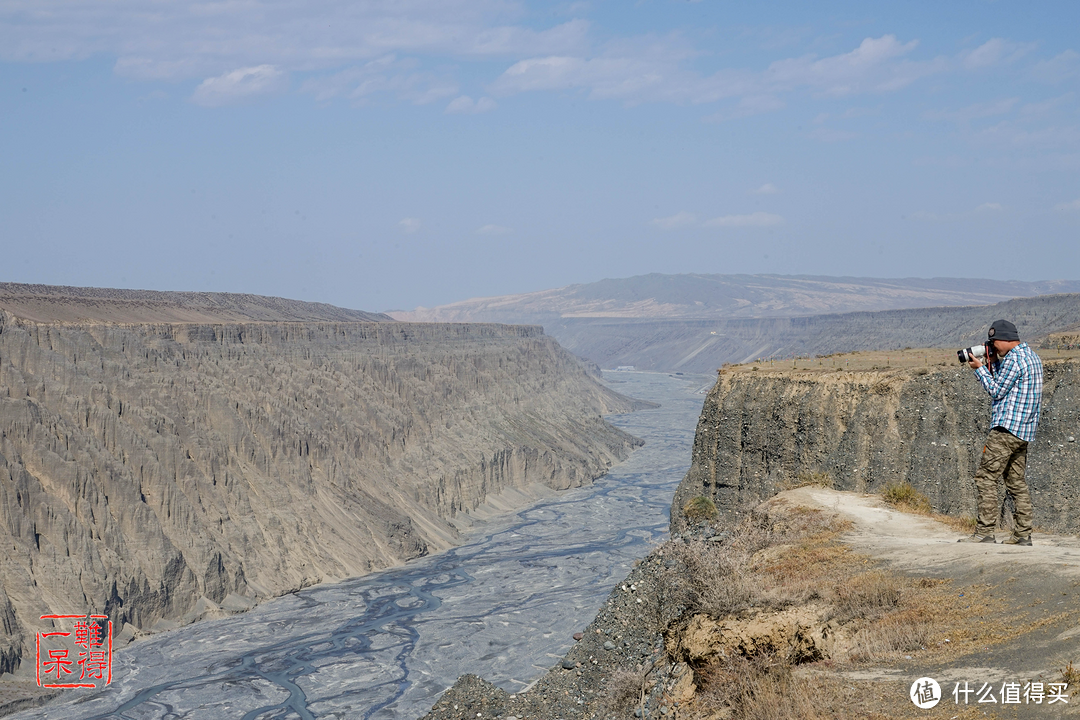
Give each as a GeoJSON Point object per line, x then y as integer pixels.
{"type": "Point", "coordinates": [384, 156]}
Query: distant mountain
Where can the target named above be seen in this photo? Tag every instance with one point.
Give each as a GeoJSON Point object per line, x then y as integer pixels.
{"type": "Point", "coordinates": [695, 323]}
{"type": "Point", "coordinates": [693, 296]}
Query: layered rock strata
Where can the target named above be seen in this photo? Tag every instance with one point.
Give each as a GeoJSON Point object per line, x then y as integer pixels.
{"type": "Point", "coordinates": [762, 432]}
{"type": "Point", "coordinates": [162, 472]}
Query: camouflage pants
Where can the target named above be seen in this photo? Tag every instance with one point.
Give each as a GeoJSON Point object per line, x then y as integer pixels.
{"type": "Point", "coordinates": [1004, 455]}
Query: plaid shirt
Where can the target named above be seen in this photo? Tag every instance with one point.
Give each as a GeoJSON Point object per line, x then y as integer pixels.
{"type": "Point", "coordinates": [1015, 391]}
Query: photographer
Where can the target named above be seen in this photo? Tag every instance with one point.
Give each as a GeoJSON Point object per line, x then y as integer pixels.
{"type": "Point", "coordinates": [1014, 380]}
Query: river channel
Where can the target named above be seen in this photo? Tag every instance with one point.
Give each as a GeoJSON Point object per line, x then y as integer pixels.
{"type": "Point", "coordinates": [384, 646]}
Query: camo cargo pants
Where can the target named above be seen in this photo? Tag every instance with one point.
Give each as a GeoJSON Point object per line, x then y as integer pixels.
{"type": "Point", "coordinates": [1003, 455]}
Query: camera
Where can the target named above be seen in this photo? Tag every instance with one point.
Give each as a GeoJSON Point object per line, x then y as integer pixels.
{"type": "Point", "coordinates": [978, 351]}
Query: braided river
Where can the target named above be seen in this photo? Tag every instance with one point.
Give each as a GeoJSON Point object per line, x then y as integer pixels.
{"type": "Point", "coordinates": [504, 605]}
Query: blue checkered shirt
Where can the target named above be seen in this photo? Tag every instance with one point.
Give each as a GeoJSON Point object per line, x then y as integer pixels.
{"type": "Point", "coordinates": [1015, 391]}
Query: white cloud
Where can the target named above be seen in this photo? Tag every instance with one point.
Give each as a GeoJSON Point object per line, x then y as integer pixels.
{"type": "Point", "coordinates": [178, 39]}
{"type": "Point", "coordinates": [494, 230]}
{"type": "Point", "coordinates": [1047, 106]}
{"type": "Point", "coordinates": [240, 85]}
{"type": "Point", "coordinates": [400, 78]}
{"type": "Point", "coordinates": [409, 225]}
{"type": "Point", "coordinates": [1074, 205]}
{"type": "Point", "coordinates": [874, 66]}
{"type": "Point", "coordinates": [678, 220]}
{"type": "Point", "coordinates": [1058, 69]}
{"type": "Point", "coordinates": [656, 73]}
{"type": "Point", "coordinates": [767, 189]}
{"type": "Point", "coordinates": [627, 78]}
{"type": "Point", "coordinates": [464, 105]}
{"type": "Point", "coordinates": [989, 207]}
{"type": "Point", "coordinates": [994, 52]}
{"type": "Point", "coordinates": [757, 219]}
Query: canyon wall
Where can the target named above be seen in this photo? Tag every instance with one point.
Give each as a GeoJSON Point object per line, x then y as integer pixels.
{"type": "Point", "coordinates": [162, 472]}
{"type": "Point", "coordinates": [762, 431]}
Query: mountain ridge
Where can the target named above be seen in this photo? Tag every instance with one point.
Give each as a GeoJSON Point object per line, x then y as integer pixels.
{"type": "Point", "coordinates": [702, 296]}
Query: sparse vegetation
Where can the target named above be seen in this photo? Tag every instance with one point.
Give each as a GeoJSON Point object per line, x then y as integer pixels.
{"type": "Point", "coordinates": [867, 595]}
{"type": "Point", "coordinates": [760, 688]}
{"type": "Point", "coordinates": [623, 691]}
{"type": "Point", "coordinates": [777, 560]}
{"type": "Point", "coordinates": [1071, 675]}
{"type": "Point", "coordinates": [812, 478]}
{"type": "Point", "coordinates": [700, 508]}
{"type": "Point", "coordinates": [904, 496]}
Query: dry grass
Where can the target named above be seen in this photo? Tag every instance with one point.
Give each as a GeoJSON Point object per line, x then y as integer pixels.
{"type": "Point", "coordinates": [623, 691]}
{"type": "Point", "coordinates": [1071, 675]}
{"type": "Point", "coordinates": [921, 360]}
{"type": "Point", "coordinates": [784, 556]}
{"type": "Point", "coordinates": [903, 631]}
{"type": "Point", "coordinates": [904, 496]}
{"type": "Point", "coordinates": [811, 479]}
{"type": "Point", "coordinates": [730, 577]}
{"type": "Point", "coordinates": [759, 688]}
{"type": "Point", "coordinates": [867, 596]}
{"type": "Point", "coordinates": [700, 508]}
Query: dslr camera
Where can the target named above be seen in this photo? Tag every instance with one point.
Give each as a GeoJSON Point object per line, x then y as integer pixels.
{"type": "Point", "coordinates": [986, 350]}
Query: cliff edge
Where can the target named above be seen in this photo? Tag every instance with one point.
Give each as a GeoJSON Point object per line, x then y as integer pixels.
{"type": "Point", "coordinates": [912, 416]}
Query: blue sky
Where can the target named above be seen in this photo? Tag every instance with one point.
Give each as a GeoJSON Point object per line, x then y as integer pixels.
{"type": "Point", "coordinates": [384, 155]}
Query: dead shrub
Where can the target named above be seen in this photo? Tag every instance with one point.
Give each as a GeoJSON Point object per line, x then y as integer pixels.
{"type": "Point", "coordinates": [904, 496]}
{"type": "Point", "coordinates": [729, 577]}
{"type": "Point", "coordinates": [712, 578]}
{"type": "Point", "coordinates": [758, 688]}
{"type": "Point", "coordinates": [867, 596]}
{"type": "Point", "coordinates": [898, 632]}
{"type": "Point", "coordinates": [1071, 675]}
{"type": "Point", "coordinates": [622, 692]}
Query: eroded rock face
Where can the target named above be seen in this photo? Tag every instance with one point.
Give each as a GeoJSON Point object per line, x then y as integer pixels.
{"type": "Point", "coordinates": [799, 634]}
{"type": "Point", "coordinates": [159, 472]}
{"type": "Point", "coordinates": [759, 431]}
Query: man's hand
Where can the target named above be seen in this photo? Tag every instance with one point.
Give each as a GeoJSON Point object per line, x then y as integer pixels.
{"type": "Point", "coordinates": [975, 363]}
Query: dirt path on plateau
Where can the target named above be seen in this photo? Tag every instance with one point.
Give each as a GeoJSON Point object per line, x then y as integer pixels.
{"type": "Point", "coordinates": [1036, 587]}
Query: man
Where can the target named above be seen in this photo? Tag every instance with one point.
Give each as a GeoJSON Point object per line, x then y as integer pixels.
{"type": "Point", "coordinates": [1015, 388]}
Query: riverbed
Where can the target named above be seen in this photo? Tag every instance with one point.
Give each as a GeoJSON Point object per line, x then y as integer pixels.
{"type": "Point", "coordinates": [504, 605]}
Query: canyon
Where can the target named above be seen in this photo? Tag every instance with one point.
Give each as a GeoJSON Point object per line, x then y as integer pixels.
{"type": "Point", "coordinates": [167, 471]}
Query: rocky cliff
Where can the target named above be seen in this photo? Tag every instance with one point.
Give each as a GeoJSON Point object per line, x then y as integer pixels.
{"type": "Point", "coordinates": [763, 430]}
{"type": "Point", "coordinates": [163, 472]}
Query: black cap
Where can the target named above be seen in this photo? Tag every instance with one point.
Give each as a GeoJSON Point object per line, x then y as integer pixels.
{"type": "Point", "coordinates": [1002, 330]}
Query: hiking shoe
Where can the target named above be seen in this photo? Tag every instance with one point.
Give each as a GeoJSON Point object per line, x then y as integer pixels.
{"type": "Point", "coordinates": [1014, 540]}
{"type": "Point", "coordinates": [979, 539]}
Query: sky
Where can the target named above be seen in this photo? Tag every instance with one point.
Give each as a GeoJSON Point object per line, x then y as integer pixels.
{"type": "Point", "coordinates": [388, 154]}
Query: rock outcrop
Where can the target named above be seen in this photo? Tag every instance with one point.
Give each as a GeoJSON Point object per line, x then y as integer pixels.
{"type": "Point", "coordinates": [162, 472]}
{"type": "Point", "coordinates": [760, 432]}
